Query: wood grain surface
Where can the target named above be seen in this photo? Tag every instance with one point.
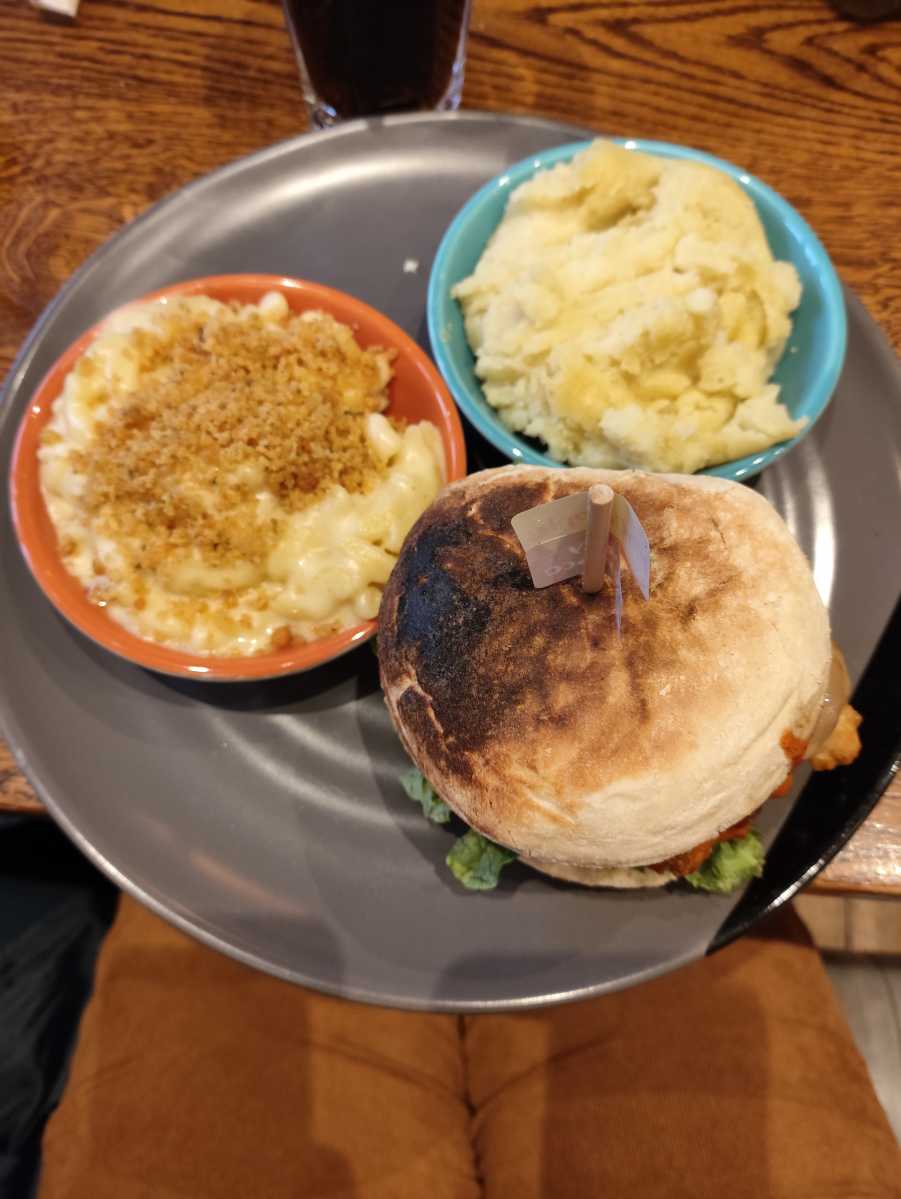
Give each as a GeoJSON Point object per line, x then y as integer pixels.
{"type": "Point", "coordinates": [100, 117]}
{"type": "Point", "coordinates": [16, 793]}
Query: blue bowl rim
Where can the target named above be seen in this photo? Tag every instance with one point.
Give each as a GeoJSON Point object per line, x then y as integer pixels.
{"type": "Point", "coordinates": [511, 444]}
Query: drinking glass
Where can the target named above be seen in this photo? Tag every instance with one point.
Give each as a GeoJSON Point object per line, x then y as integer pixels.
{"type": "Point", "coordinates": [366, 57]}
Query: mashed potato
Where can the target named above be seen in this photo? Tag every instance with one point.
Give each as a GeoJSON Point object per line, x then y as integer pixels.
{"type": "Point", "coordinates": [628, 312]}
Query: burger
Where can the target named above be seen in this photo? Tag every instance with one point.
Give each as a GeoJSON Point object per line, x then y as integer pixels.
{"type": "Point", "coordinates": [628, 757]}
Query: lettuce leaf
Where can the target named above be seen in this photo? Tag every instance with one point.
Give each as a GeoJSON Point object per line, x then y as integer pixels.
{"type": "Point", "coordinates": [474, 861]}
{"type": "Point", "coordinates": [477, 862]}
{"type": "Point", "coordinates": [421, 790]}
{"type": "Point", "coordinates": [731, 864]}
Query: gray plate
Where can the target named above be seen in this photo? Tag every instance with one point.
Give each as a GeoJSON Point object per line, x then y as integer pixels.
{"type": "Point", "coordinates": [266, 819]}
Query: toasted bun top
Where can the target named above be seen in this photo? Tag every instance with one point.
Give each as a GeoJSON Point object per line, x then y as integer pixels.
{"type": "Point", "coordinates": [552, 735]}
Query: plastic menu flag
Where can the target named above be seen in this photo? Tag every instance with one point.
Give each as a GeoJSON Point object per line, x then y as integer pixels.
{"type": "Point", "coordinates": [616, 570]}
{"type": "Point", "coordinates": [556, 537]}
{"type": "Point", "coordinates": [629, 532]}
{"type": "Point", "coordinates": [553, 536]}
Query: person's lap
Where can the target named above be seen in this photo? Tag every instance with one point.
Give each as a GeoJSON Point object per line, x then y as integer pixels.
{"type": "Point", "coordinates": [54, 911]}
{"type": "Point", "coordinates": [198, 1077]}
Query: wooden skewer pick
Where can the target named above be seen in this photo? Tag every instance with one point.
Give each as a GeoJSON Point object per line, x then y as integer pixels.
{"type": "Point", "coordinates": [597, 535]}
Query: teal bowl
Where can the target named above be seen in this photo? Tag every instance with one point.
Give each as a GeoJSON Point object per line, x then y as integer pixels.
{"type": "Point", "coordinates": [809, 368]}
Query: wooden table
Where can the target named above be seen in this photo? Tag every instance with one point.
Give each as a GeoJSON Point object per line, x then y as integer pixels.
{"type": "Point", "coordinates": [101, 117]}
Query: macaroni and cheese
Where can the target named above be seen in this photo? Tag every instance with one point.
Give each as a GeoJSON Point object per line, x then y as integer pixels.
{"type": "Point", "coordinates": [222, 477]}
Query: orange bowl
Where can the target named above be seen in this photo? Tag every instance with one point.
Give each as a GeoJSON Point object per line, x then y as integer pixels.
{"type": "Point", "coordinates": [416, 393]}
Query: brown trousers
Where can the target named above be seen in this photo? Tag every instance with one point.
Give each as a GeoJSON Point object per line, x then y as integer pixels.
{"type": "Point", "coordinates": [198, 1078]}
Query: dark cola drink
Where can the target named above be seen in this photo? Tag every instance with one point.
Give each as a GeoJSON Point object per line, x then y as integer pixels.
{"type": "Point", "coordinates": [366, 57]}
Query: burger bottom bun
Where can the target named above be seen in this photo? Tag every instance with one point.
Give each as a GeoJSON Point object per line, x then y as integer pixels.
{"type": "Point", "coordinates": [620, 877]}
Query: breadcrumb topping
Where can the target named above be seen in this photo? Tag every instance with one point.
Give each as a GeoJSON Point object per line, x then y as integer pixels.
{"type": "Point", "coordinates": [224, 409]}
